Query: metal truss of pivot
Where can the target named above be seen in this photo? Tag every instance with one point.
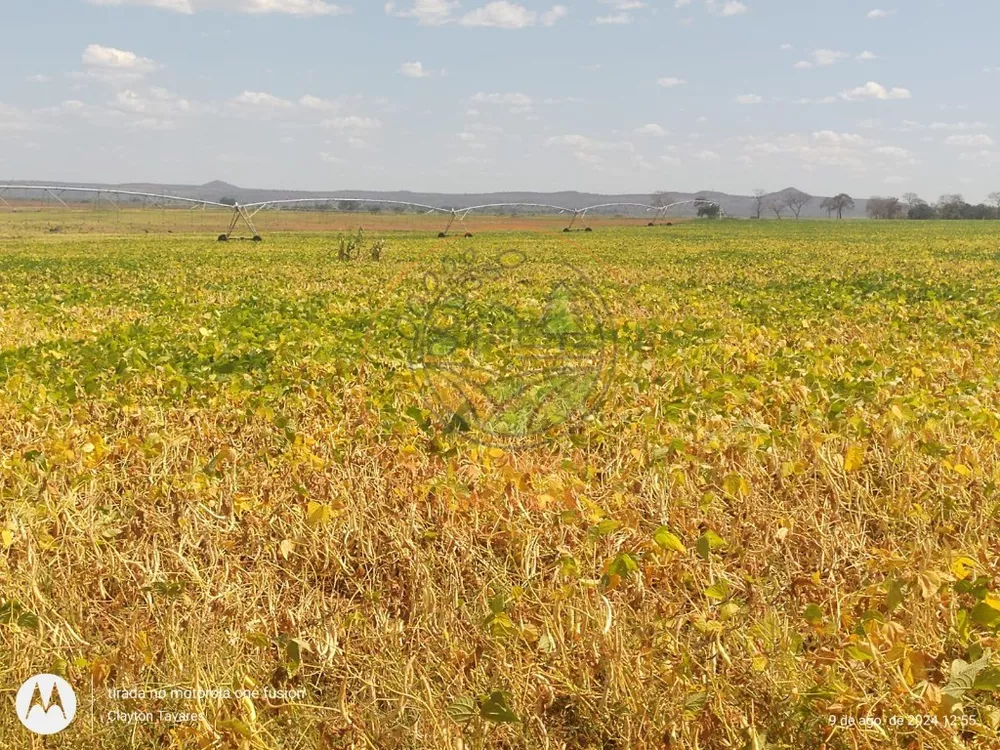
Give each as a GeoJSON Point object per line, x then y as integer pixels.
{"type": "Point", "coordinates": [460, 217]}
{"type": "Point", "coordinates": [579, 214]}
{"type": "Point", "coordinates": [240, 212]}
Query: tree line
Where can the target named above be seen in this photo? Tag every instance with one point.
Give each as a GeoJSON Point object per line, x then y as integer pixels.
{"type": "Point", "coordinates": [910, 206]}
{"type": "Point", "coordinates": [949, 206]}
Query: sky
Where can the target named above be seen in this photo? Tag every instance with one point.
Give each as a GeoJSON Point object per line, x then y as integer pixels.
{"type": "Point", "coordinates": [608, 96]}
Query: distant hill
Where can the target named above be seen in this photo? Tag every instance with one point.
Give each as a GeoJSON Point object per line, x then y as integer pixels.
{"type": "Point", "coordinates": [738, 206]}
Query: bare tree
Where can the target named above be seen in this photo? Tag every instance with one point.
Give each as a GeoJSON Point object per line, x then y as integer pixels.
{"type": "Point", "coordinates": [758, 198]}
{"type": "Point", "coordinates": [827, 205]}
{"type": "Point", "coordinates": [659, 199]}
{"type": "Point", "coordinates": [842, 202]}
{"type": "Point", "coordinates": [994, 200]}
{"type": "Point", "coordinates": [950, 205]}
{"type": "Point", "coordinates": [884, 208]}
{"type": "Point", "coordinates": [776, 206]}
{"type": "Point", "coordinates": [911, 200]}
{"type": "Point", "coordinates": [796, 200]}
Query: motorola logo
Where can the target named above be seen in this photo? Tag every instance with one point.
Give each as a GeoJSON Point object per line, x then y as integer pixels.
{"type": "Point", "coordinates": [46, 704]}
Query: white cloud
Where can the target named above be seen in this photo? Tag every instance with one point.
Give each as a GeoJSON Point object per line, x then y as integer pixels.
{"type": "Point", "coordinates": [39, 78]}
{"type": "Point", "coordinates": [825, 57]}
{"type": "Point", "coordinates": [427, 12]}
{"type": "Point", "coordinates": [832, 138]}
{"type": "Point", "coordinates": [651, 129]}
{"type": "Point", "coordinates": [583, 144]}
{"type": "Point", "coordinates": [304, 8]}
{"type": "Point", "coordinates": [512, 99]}
{"type": "Point", "coordinates": [879, 13]}
{"type": "Point", "coordinates": [820, 100]}
{"type": "Point", "coordinates": [669, 82]}
{"type": "Point", "coordinates": [502, 14]}
{"type": "Point", "coordinates": [156, 102]}
{"type": "Point", "coordinates": [969, 140]}
{"type": "Point", "coordinates": [353, 124]}
{"type": "Point", "coordinates": [872, 90]}
{"type": "Point", "coordinates": [177, 6]}
{"type": "Point", "coordinates": [262, 100]}
{"type": "Point", "coordinates": [320, 105]}
{"type": "Point", "coordinates": [866, 56]}
{"type": "Point", "coordinates": [894, 151]}
{"type": "Point", "coordinates": [748, 99]}
{"type": "Point", "coordinates": [414, 70]}
{"type": "Point", "coordinates": [557, 13]}
{"type": "Point", "coordinates": [111, 59]}
{"type": "Point", "coordinates": [291, 7]}
{"type": "Point", "coordinates": [958, 125]}
{"type": "Point", "coordinates": [707, 156]}
{"type": "Point", "coordinates": [619, 19]}
{"type": "Point", "coordinates": [785, 47]}
{"type": "Point", "coordinates": [728, 8]}
{"type": "Point", "coordinates": [802, 65]}
{"type": "Point", "coordinates": [12, 119]}
{"type": "Point", "coordinates": [825, 149]}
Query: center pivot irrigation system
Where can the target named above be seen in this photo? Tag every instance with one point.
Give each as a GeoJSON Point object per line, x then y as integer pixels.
{"type": "Point", "coordinates": [81, 199]}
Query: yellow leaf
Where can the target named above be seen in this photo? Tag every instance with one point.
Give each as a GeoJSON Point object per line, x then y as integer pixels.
{"type": "Point", "coordinates": [962, 567]}
{"type": "Point", "coordinates": [667, 540]}
{"type": "Point", "coordinates": [318, 514]}
{"type": "Point", "coordinates": [929, 582]}
{"type": "Point", "coordinates": [854, 457]}
{"type": "Point", "coordinates": [736, 485]}
{"type": "Point", "coordinates": [962, 470]}
{"type": "Point", "coordinates": [286, 548]}
{"type": "Point", "coordinates": [6, 538]}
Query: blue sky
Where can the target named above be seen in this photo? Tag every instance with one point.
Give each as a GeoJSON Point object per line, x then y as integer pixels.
{"type": "Point", "coordinates": [875, 97]}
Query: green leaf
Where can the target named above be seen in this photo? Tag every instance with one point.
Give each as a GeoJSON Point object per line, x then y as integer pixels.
{"type": "Point", "coordinates": [496, 709]}
{"type": "Point", "coordinates": [718, 591]}
{"type": "Point", "coordinates": [813, 615]}
{"type": "Point", "coordinates": [709, 541]}
{"type": "Point", "coordinates": [608, 526]}
{"type": "Point", "coordinates": [860, 653]}
{"type": "Point", "coordinates": [236, 727]}
{"type": "Point", "coordinates": [462, 710]}
{"type": "Point", "coordinates": [988, 679]}
{"type": "Point", "coordinates": [667, 540]}
{"type": "Point", "coordinates": [28, 621]}
{"type": "Point", "coordinates": [894, 595]}
{"type": "Point", "coordinates": [695, 701]}
{"type": "Point", "coordinates": [498, 603]}
{"type": "Point", "coordinates": [963, 676]}
{"type": "Point", "coordinates": [500, 625]}
{"type": "Point", "coordinates": [983, 614]}
{"type": "Point", "coordinates": [623, 565]}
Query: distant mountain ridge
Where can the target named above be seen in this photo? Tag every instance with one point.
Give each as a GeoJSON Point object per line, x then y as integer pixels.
{"type": "Point", "coordinates": [738, 206]}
